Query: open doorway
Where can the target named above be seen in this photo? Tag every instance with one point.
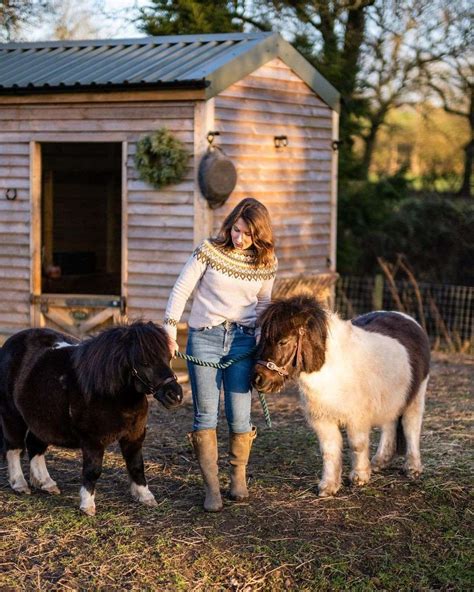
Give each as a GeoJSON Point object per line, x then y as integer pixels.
{"type": "Point", "coordinates": [81, 215]}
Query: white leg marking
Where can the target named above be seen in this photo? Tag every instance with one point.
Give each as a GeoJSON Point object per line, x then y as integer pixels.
{"type": "Point", "coordinates": [15, 474]}
{"type": "Point", "coordinates": [142, 494]}
{"type": "Point", "coordinates": [39, 476]}
{"type": "Point", "coordinates": [411, 421]}
{"type": "Point", "coordinates": [87, 502]}
{"type": "Point", "coordinates": [386, 448]}
{"type": "Point", "coordinates": [330, 443]}
{"type": "Point", "coordinates": [359, 445]}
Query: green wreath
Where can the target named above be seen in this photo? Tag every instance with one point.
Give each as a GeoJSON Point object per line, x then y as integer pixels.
{"type": "Point", "coordinates": [161, 159]}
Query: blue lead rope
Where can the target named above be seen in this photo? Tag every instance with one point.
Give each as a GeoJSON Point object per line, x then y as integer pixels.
{"type": "Point", "coordinates": [223, 366]}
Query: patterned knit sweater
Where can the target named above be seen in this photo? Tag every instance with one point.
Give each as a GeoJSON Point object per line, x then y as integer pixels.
{"type": "Point", "coordinates": [229, 287]}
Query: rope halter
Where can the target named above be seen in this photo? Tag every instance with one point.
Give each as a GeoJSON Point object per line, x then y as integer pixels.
{"type": "Point", "coordinates": [294, 360]}
{"type": "Point", "coordinates": [153, 388]}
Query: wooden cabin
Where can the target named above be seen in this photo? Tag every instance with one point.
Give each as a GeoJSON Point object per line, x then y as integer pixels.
{"type": "Point", "coordinates": [83, 240]}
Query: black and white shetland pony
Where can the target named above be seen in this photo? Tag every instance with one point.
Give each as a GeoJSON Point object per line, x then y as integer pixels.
{"type": "Point", "coordinates": [54, 390]}
{"type": "Point", "coordinates": [369, 371]}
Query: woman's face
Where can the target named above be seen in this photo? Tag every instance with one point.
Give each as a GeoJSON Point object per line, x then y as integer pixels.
{"type": "Point", "coordinates": [241, 235]}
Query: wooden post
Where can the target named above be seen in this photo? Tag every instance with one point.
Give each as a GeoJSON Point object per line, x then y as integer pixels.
{"type": "Point", "coordinates": [203, 123]}
{"type": "Point", "coordinates": [333, 205]}
{"type": "Point", "coordinates": [334, 166]}
{"type": "Point", "coordinates": [377, 294]}
{"type": "Point", "coordinates": [124, 237]}
{"type": "Point", "coordinates": [35, 231]}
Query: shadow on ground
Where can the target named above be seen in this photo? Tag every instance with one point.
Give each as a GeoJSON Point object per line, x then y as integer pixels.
{"type": "Point", "coordinates": [393, 534]}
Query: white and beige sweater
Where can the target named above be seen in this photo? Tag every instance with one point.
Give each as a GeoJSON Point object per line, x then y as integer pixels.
{"type": "Point", "coordinates": [230, 286]}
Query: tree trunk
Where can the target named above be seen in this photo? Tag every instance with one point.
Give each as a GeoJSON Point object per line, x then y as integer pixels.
{"type": "Point", "coordinates": [465, 190]}
{"type": "Point", "coordinates": [369, 140]}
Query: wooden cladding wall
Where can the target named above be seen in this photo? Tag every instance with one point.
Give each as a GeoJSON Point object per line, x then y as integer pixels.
{"type": "Point", "coordinates": [157, 226]}
{"type": "Point", "coordinates": [294, 182]}
{"type": "Point", "coordinates": [160, 236]}
{"type": "Point", "coordinates": [14, 236]}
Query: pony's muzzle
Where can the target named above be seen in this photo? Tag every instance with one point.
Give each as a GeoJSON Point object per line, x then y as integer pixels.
{"type": "Point", "coordinates": [170, 395]}
{"type": "Point", "coordinates": [266, 381]}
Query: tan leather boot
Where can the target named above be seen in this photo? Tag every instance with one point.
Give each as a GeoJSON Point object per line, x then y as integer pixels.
{"type": "Point", "coordinates": [239, 451]}
{"type": "Point", "coordinates": [205, 448]}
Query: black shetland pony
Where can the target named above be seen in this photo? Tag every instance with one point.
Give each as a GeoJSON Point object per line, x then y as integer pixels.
{"type": "Point", "coordinates": [55, 390]}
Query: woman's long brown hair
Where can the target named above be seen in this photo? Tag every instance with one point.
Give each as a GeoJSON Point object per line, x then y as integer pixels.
{"type": "Point", "coordinates": [256, 216]}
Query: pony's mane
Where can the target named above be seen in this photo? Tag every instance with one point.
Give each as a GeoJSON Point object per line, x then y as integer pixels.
{"type": "Point", "coordinates": [103, 362]}
{"type": "Point", "coordinates": [290, 314]}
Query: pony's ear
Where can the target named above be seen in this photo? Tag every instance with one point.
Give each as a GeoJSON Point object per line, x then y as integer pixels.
{"type": "Point", "coordinates": [313, 347]}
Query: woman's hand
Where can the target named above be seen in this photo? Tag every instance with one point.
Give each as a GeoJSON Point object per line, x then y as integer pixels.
{"type": "Point", "coordinates": [173, 345]}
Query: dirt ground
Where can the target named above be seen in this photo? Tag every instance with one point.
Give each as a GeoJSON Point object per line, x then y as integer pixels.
{"type": "Point", "coordinates": [393, 534]}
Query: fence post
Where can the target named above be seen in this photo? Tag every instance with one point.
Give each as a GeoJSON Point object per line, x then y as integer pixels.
{"type": "Point", "coordinates": [377, 294]}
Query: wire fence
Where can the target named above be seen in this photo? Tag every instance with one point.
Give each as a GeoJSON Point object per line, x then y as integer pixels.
{"type": "Point", "coordinates": [447, 312]}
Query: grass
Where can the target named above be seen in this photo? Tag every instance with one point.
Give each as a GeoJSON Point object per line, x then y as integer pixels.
{"type": "Point", "coordinates": [393, 534]}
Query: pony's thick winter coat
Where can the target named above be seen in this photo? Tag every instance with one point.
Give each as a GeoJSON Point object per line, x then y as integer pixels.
{"type": "Point", "coordinates": [373, 372]}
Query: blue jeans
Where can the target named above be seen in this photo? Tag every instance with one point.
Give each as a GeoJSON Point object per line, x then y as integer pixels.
{"type": "Point", "coordinates": [214, 344]}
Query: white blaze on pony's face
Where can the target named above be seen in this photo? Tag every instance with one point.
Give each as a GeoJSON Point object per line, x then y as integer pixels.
{"type": "Point", "coordinates": [241, 235]}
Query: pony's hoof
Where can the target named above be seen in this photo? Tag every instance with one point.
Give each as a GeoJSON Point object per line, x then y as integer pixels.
{"type": "Point", "coordinates": [50, 486]}
{"type": "Point", "coordinates": [88, 510]}
{"type": "Point", "coordinates": [379, 464]}
{"type": "Point", "coordinates": [151, 502]}
{"type": "Point", "coordinates": [359, 478]}
{"type": "Point", "coordinates": [413, 472]}
{"type": "Point", "coordinates": [378, 467]}
{"type": "Point", "coordinates": [143, 495]}
{"type": "Point", "coordinates": [327, 490]}
{"type": "Point", "coordinates": [22, 489]}
{"type": "Point", "coordinates": [213, 508]}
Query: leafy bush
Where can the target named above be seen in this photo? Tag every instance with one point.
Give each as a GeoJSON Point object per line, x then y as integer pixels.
{"type": "Point", "coordinates": [435, 231]}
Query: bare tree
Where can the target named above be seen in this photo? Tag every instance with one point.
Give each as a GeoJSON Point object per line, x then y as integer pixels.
{"type": "Point", "coordinates": [451, 81]}
{"type": "Point", "coordinates": [75, 20]}
{"type": "Point", "coordinates": [17, 17]}
{"type": "Point", "coordinates": [405, 37]}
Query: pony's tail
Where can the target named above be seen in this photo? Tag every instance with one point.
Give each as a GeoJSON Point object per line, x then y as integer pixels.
{"type": "Point", "coordinates": [401, 440]}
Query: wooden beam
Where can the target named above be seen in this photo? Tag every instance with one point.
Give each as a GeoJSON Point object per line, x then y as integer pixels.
{"type": "Point", "coordinates": [124, 227]}
{"type": "Point", "coordinates": [112, 97]}
{"type": "Point", "coordinates": [204, 122]}
{"type": "Point", "coordinates": [35, 229]}
{"type": "Point", "coordinates": [333, 208]}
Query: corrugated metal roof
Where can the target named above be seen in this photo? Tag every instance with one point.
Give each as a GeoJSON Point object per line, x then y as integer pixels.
{"type": "Point", "coordinates": [182, 61]}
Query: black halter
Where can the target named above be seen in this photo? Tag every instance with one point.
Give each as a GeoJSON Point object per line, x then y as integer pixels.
{"type": "Point", "coordinates": [153, 388]}
{"type": "Point", "coordinates": [295, 359]}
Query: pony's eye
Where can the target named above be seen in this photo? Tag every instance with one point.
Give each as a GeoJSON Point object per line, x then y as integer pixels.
{"type": "Point", "coordinates": [283, 341]}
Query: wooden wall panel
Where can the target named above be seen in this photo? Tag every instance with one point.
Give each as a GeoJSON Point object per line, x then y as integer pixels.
{"type": "Point", "coordinates": [160, 222]}
{"type": "Point", "coordinates": [14, 238]}
{"type": "Point", "coordinates": [293, 182]}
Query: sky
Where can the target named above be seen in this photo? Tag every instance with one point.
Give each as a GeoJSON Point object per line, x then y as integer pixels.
{"type": "Point", "coordinates": [124, 28]}
{"type": "Point", "coordinates": [114, 23]}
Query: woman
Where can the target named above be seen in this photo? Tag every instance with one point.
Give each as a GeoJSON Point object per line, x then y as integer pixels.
{"type": "Point", "coordinates": [233, 275]}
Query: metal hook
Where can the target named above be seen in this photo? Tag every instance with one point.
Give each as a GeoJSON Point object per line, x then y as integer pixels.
{"type": "Point", "coordinates": [211, 135]}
